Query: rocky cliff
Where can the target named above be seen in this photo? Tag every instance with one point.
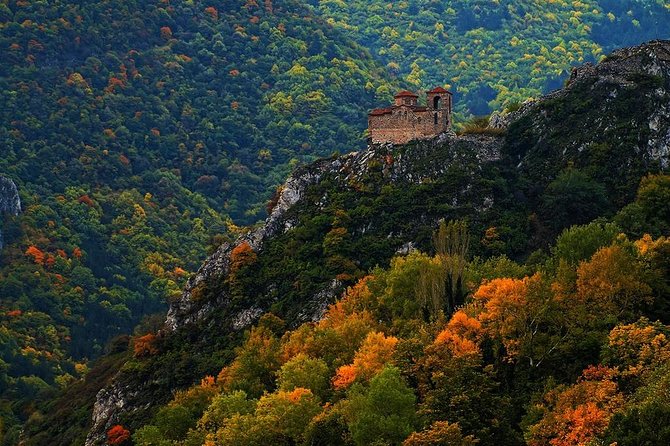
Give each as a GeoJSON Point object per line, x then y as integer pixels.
{"type": "Point", "coordinates": [312, 190]}
{"type": "Point", "coordinates": [417, 165]}
{"type": "Point", "coordinates": [336, 219]}
{"type": "Point", "coordinates": [10, 202]}
{"type": "Point", "coordinates": [629, 89]}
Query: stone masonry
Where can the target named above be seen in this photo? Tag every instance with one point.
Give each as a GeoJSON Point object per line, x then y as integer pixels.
{"type": "Point", "coordinates": [406, 121]}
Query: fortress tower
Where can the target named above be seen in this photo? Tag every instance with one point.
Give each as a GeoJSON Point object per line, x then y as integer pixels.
{"type": "Point", "coordinates": [406, 121]}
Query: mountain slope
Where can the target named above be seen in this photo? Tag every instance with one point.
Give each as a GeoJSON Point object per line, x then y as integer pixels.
{"type": "Point", "coordinates": [337, 218]}
{"type": "Point", "coordinates": [494, 53]}
{"type": "Point", "coordinates": [134, 132]}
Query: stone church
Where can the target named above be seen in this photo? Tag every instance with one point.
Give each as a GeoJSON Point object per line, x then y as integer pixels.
{"type": "Point", "coordinates": [406, 121]}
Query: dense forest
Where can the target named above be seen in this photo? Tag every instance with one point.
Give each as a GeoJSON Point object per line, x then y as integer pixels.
{"type": "Point", "coordinates": [446, 349]}
{"type": "Point", "coordinates": [143, 134]}
{"type": "Point", "coordinates": [493, 53]}
{"type": "Point", "coordinates": [136, 132]}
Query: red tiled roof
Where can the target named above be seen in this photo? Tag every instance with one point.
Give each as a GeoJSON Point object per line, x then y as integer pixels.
{"type": "Point", "coordinates": [438, 90]}
{"type": "Point", "coordinates": [405, 93]}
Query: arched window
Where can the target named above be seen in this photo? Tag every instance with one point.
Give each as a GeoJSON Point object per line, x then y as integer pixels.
{"type": "Point", "coordinates": [436, 102]}
{"type": "Point", "coordinates": [435, 118]}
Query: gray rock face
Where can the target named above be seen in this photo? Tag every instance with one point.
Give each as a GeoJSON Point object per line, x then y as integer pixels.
{"type": "Point", "coordinates": [416, 166]}
{"type": "Point", "coordinates": [620, 72]}
{"type": "Point", "coordinates": [115, 399]}
{"type": "Point", "coordinates": [10, 203]}
{"type": "Point", "coordinates": [186, 310]}
{"type": "Point", "coordinates": [410, 167]}
{"type": "Point", "coordinates": [418, 163]}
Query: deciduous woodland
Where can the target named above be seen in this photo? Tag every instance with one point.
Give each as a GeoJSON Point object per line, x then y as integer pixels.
{"type": "Point", "coordinates": [443, 348]}
{"type": "Point", "coordinates": [145, 135]}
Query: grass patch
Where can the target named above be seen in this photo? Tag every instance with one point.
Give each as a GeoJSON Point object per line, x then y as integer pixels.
{"type": "Point", "coordinates": [479, 125]}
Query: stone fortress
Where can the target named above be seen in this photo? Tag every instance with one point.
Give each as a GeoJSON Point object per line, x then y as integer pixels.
{"type": "Point", "coordinates": [406, 121]}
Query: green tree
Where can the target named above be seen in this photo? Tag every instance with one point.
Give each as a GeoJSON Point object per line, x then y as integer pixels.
{"type": "Point", "coordinates": [579, 243]}
{"type": "Point", "coordinates": [649, 212]}
{"type": "Point", "coordinates": [452, 242]}
{"type": "Point", "coordinates": [573, 197]}
{"type": "Point", "coordinates": [303, 371]}
{"type": "Point", "coordinates": [383, 413]}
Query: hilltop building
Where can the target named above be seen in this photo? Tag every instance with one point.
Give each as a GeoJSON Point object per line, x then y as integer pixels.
{"type": "Point", "coordinates": [405, 120]}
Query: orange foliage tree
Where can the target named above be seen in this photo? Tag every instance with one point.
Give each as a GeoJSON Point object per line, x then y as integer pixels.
{"type": "Point", "coordinates": [86, 200]}
{"type": "Point", "coordinates": [212, 12]}
{"type": "Point", "coordinates": [145, 345]}
{"type": "Point", "coordinates": [375, 352]}
{"type": "Point", "coordinates": [513, 311]}
{"type": "Point", "coordinates": [578, 414]}
{"type": "Point", "coordinates": [242, 255]}
{"type": "Point", "coordinates": [166, 32]}
{"type": "Point", "coordinates": [461, 335]}
{"type": "Point", "coordinates": [639, 347]}
{"type": "Point", "coordinates": [36, 254]}
{"type": "Point", "coordinates": [610, 285]}
{"type": "Point", "coordinates": [117, 435]}
{"type": "Point", "coordinates": [337, 336]}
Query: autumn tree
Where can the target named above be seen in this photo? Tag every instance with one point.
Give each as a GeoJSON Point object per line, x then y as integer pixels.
{"type": "Point", "coordinates": [440, 433]}
{"type": "Point", "coordinates": [375, 352]}
{"type": "Point", "coordinates": [654, 256]}
{"type": "Point", "coordinates": [36, 254]}
{"type": "Point", "coordinates": [638, 348]}
{"type": "Point", "coordinates": [241, 256]}
{"type": "Point", "coordinates": [117, 435]}
{"type": "Point", "coordinates": [577, 414]}
{"type": "Point", "coordinates": [166, 32]}
{"type": "Point", "coordinates": [335, 338]}
{"type": "Point", "coordinates": [523, 315]}
{"type": "Point", "coordinates": [611, 284]}
{"type": "Point", "coordinates": [145, 345]}
{"type": "Point", "coordinates": [461, 336]}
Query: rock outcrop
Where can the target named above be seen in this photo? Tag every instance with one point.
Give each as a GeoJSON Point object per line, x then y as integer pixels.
{"type": "Point", "coordinates": [10, 202]}
{"type": "Point", "coordinates": [614, 116]}
{"type": "Point", "coordinates": [622, 71]}
{"type": "Point", "coordinates": [420, 163]}
{"type": "Point", "coordinates": [412, 166]}
{"type": "Point", "coordinates": [184, 310]}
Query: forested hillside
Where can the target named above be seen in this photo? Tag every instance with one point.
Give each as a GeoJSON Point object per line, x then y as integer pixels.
{"type": "Point", "coordinates": [559, 353]}
{"type": "Point", "coordinates": [135, 131]}
{"type": "Point", "coordinates": [511, 193]}
{"type": "Point", "coordinates": [493, 53]}
{"type": "Point", "coordinates": [142, 134]}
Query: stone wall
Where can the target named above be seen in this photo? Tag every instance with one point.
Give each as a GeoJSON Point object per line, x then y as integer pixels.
{"type": "Point", "coordinates": [403, 124]}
